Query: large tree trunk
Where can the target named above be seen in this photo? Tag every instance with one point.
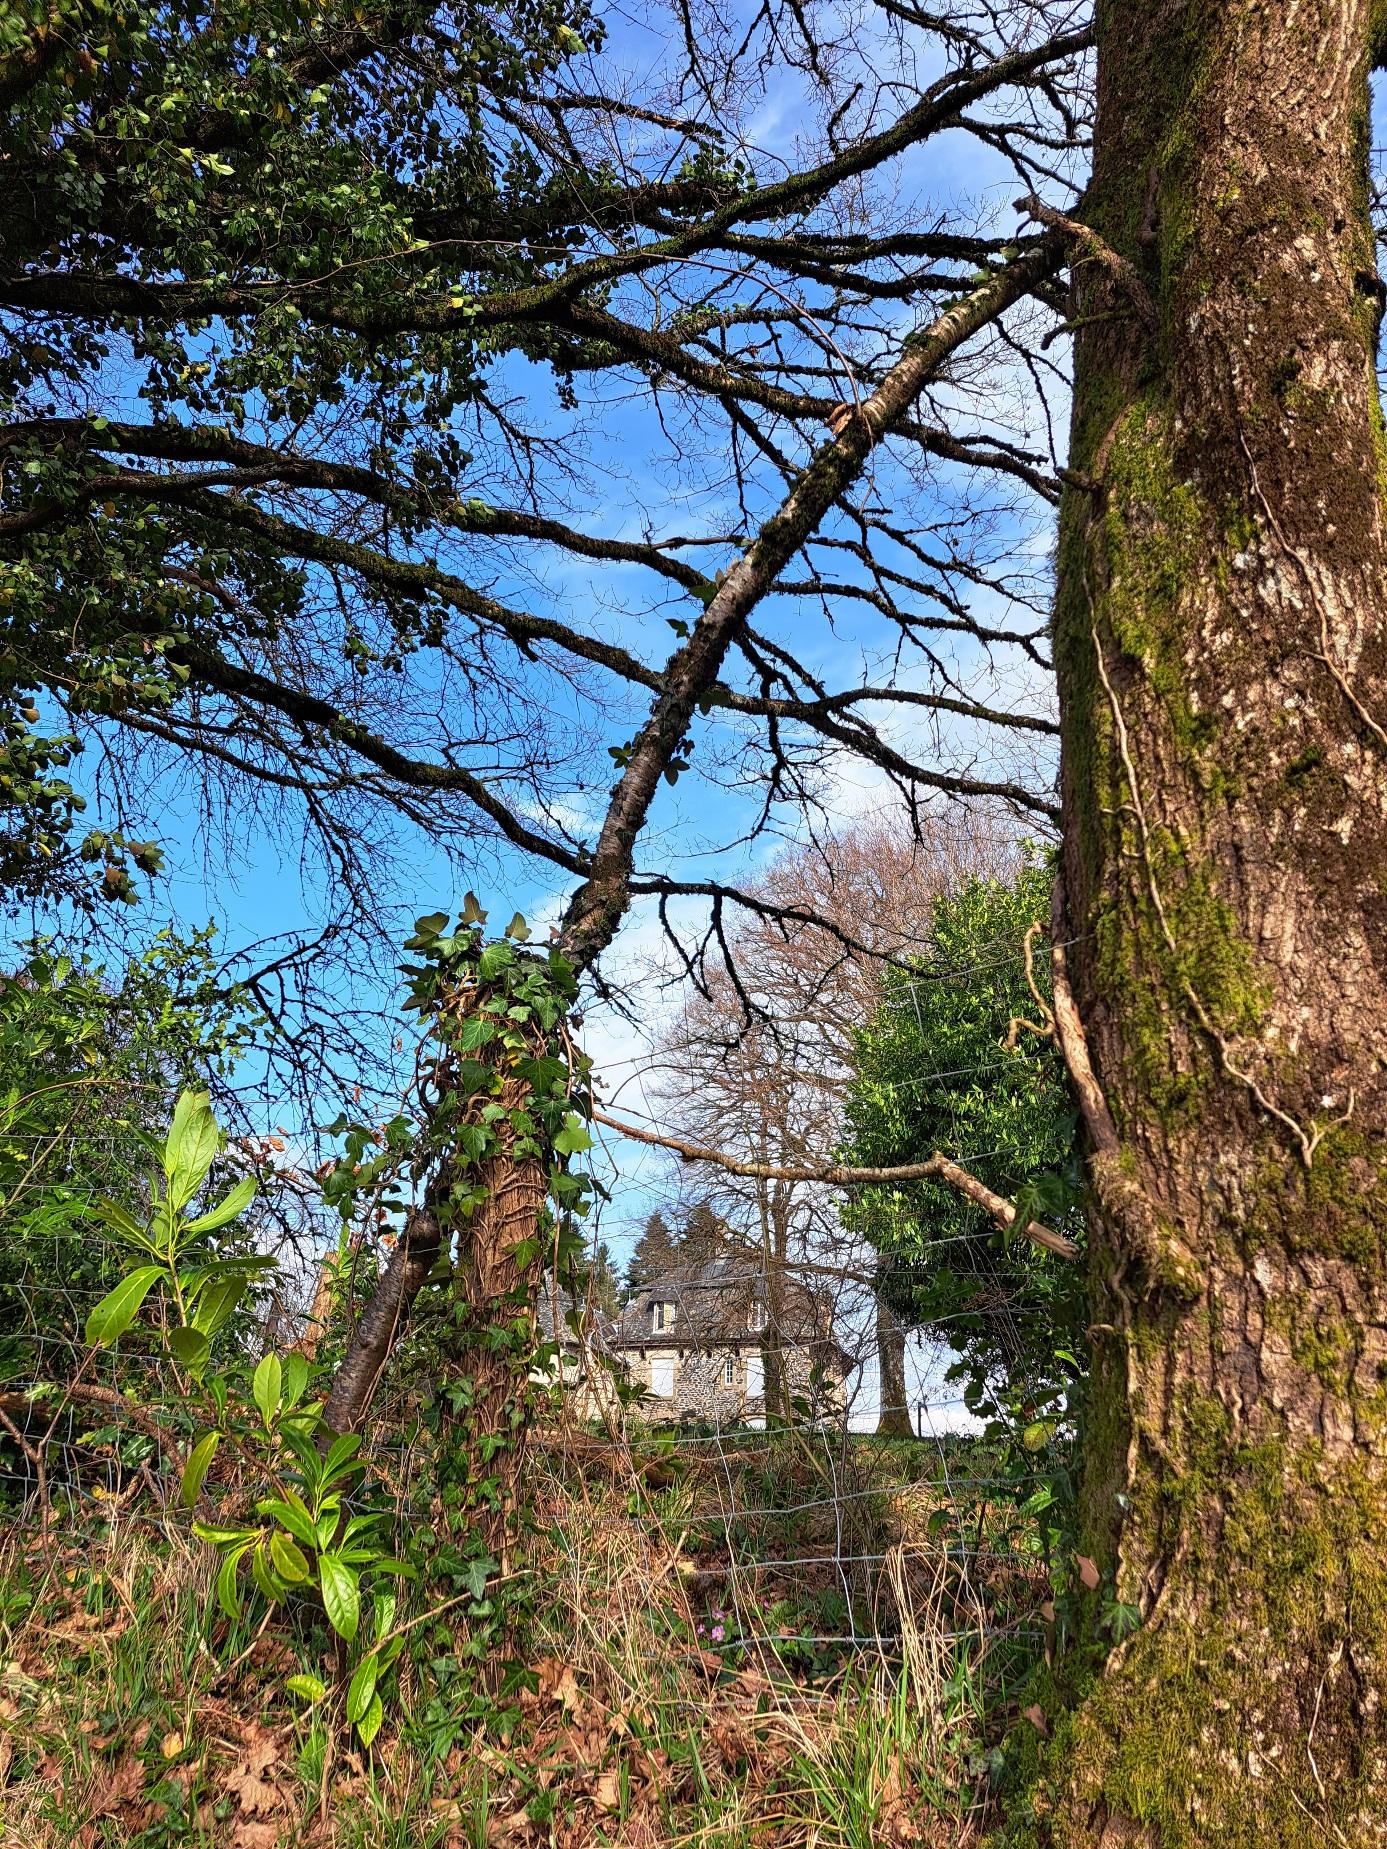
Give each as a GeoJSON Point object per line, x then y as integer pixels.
{"type": "Point", "coordinates": [1223, 675]}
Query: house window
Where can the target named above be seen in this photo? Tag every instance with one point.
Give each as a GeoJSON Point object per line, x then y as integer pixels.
{"type": "Point", "coordinates": [729, 1372]}
{"type": "Point", "coordinates": [663, 1316]}
{"type": "Point", "coordinates": [755, 1377]}
{"type": "Point", "coordinates": [662, 1376]}
{"type": "Point", "coordinates": [756, 1318]}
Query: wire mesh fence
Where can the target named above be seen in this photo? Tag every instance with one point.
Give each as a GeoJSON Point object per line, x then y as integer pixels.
{"type": "Point", "coordinates": [737, 1508]}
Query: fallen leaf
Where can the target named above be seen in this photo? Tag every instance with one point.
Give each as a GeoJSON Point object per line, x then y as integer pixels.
{"type": "Point", "coordinates": [171, 1745]}
{"type": "Point", "coordinates": [247, 1834]}
{"type": "Point", "coordinates": [246, 1781]}
{"type": "Point", "coordinates": [1088, 1572]}
{"type": "Point", "coordinates": [606, 1794]}
{"type": "Point", "coordinates": [125, 1783]}
{"type": "Point", "coordinates": [1035, 1714]}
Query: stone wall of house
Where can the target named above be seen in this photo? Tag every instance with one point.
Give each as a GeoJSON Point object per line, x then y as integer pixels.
{"type": "Point", "coordinates": [701, 1390]}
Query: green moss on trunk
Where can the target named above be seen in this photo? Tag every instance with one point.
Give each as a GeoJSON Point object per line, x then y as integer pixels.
{"type": "Point", "coordinates": [1223, 682]}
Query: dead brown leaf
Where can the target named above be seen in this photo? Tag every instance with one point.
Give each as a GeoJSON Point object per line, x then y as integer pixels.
{"type": "Point", "coordinates": [247, 1781]}
{"type": "Point", "coordinates": [125, 1782]}
{"type": "Point", "coordinates": [250, 1833]}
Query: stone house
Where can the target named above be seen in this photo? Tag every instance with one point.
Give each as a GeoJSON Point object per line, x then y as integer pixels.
{"type": "Point", "coordinates": [697, 1338]}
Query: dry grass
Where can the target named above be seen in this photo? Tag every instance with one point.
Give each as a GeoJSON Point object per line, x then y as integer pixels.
{"type": "Point", "coordinates": [129, 1717]}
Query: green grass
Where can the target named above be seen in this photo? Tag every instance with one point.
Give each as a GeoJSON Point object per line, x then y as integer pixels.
{"type": "Point", "coordinates": [133, 1714]}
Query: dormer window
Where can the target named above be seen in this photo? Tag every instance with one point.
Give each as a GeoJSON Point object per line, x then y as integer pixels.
{"type": "Point", "coordinates": [661, 1316]}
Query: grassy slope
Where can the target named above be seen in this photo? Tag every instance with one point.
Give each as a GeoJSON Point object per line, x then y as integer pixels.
{"type": "Point", "coordinates": [679, 1699]}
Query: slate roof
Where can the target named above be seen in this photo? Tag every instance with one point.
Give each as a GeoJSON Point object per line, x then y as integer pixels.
{"type": "Point", "coordinates": [603, 1332]}
{"type": "Point", "coordinates": [713, 1308]}
{"type": "Point", "coordinates": [716, 1305]}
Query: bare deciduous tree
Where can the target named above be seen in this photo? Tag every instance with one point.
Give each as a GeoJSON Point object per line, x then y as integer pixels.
{"type": "Point", "coordinates": [756, 1062]}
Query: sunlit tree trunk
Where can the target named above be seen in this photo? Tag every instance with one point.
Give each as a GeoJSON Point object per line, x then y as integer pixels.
{"type": "Point", "coordinates": [1223, 678]}
{"type": "Point", "coordinates": [893, 1419]}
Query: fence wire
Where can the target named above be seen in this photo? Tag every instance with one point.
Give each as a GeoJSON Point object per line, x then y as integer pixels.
{"type": "Point", "coordinates": [795, 1545]}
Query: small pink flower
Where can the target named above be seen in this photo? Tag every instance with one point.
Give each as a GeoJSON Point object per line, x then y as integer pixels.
{"type": "Point", "coordinates": [718, 1633]}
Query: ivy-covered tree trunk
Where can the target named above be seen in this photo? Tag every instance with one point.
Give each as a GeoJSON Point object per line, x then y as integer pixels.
{"type": "Point", "coordinates": [1223, 676]}
{"type": "Point", "coordinates": [492, 1346]}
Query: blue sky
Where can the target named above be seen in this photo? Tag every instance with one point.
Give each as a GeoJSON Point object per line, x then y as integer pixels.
{"type": "Point", "coordinates": [252, 875]}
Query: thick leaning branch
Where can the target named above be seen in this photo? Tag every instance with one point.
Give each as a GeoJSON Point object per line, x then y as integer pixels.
{"type": "Point", "coordinates": [832, 1174]}
{"type": "Point", "coordinates": [600, 902]}
{"type": "Point", "coordinates": [383, 1321]}
{"type": "Point", "coordinates": [597, 907]}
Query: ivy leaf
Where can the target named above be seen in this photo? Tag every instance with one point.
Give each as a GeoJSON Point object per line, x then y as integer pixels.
{"type": "Point", "coordinates": [518, 929]}
{"type": "Point", "coordinates": [494, 959]}
{"type": "Point", "coordinates": [476, 1573]}
{"type": "Point", "coordinates": [573, 1138]}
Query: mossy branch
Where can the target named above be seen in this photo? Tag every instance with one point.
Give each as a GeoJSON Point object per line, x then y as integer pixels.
{"type": "Point", "coordinates": [1122, 273]}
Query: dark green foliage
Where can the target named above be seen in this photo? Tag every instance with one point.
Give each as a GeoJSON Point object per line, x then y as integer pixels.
{"type": "Point", "coordinates": [172, 174]}
{"type": "Point", "coordinates": [652, 1254]}
{"type": "Point", "coordinates": [604, 1283]}
{"type": "Point", "coordinates": [934, 1072]}
{"type": "Point", "coordinates": [702, 1233]}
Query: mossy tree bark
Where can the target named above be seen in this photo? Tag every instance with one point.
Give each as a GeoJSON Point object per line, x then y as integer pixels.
{"type": "Point", "coordinates": [1223, 677]}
